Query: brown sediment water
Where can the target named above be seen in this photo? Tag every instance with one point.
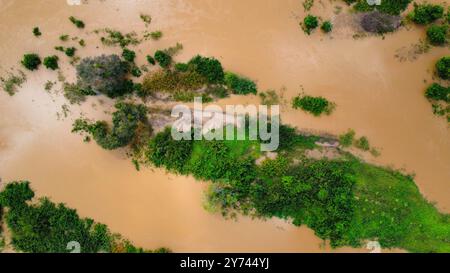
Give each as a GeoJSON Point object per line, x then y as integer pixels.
{"type": "Point", "coordinates": [375, 94]}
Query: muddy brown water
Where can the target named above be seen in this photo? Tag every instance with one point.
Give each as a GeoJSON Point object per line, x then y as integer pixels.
{"type": "Point", "coordinates": [376, 95]}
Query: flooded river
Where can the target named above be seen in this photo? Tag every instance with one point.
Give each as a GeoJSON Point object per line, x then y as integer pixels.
{"type": "Point", "coordinates": [375, 94]}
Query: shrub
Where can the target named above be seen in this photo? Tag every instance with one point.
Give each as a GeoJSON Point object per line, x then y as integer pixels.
{"type": "Point", "coordinates": [115, 37]}
{"type": "Point", "coordinates": [31, 61]}
{"type": "Point", "coordinates": [74, 94]}
{"type": "Point", "coordinates": [270, 97]}
{"type": "Point", "coordinates": [126, 121]}
{"type": "Point", "coordinates": [393, 7]}
{"type": "Point", "coordinates": [437, 35]}
{"type": "Point", "coordinates": [156, 35]}
{"type": "Point", "coordinates": [426, 13]}
{"type": "Point", "coordinates": [327, 26]}
{"type": "Point", "coordinates": [181, 67]}
{"type": "Point", "coordinates": [170, 153]}
{"type": "Point", "coordinates": [70, 51]}
{"type": "Point", "coordinates": [15, 194]}
{"type": "Point", "coordinates": [362, 143]}
{"type": "Point", "coordinates": [76, 22]}
{"type": "Point", "coordinates": [314, 105]}
{"type": "Point", "coordinates": [82, 43]}
{"type": "Point", "coordinates": [240, 85]}
{"type": "Point", "coordinates": [151, 60]}
{"type": "Point", "coordinates": [10, 84]}
{"type": "Point", "coordinates": [309, 23]}
{"type": "Point", "coordinates": [443, 68]}
{"type": "Point", "coordinates": [104, 74]}
{"type": "Point", "coordinates": [378, 22]}
{"type": "Point", "coordinates": [438, 92]}
{"type": "Point", "coordinates": [163, 58]}
{"type": "Point", "coordinates": [346, 140]}
{"type": "Point", "coordinates": [36, 32]}
{"type": "Point", "coordinates": [135, 71]}
{"type": "Point", "coordinates": [51, 62]}
{"type": "Point", "coordinates": [210, 68]}
{"type": "Point", "coordinates": [128, 55]}
{"type": "Point", "coordinates": [64, 37]}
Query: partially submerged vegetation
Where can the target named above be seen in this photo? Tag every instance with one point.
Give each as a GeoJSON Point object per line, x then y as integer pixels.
{"type": "Point", "coordinates": [314, 105]}
{"type": "Point", "coordinates": [41, 226]}
{"type": "Point", "coordinates": [438, 94]}
{"type": "Point", "coordinates": [13, 81]}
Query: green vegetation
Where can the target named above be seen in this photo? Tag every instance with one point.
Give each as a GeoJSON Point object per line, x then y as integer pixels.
{"type": "Point", "coordinates": [128, 55]}
{"type": "Point", "coordinates": [345, 201]}
{"type": "Point", "coordinates": [37, 32]}
{"type": "Point", "coordinates": [82, 43]}
{"type": "Point", "coordinates": [151, 60]}
{"type": "Point", "coordinates": [170, 81]}
{"type": "Point", "coordinates": [128, 121]}
{"type": "Point", "coordinates": [393, 7]}
{"type": "Point", "coordinates": [210, 68]}
{"type": "Point", "coordinates": [74, 94]}
{"type": "Point", "coordinates": [308, 4]}
{"type": "Point", "coordinates": [362, 143]}
{"type": "Point", "coordinates": [438, 92]}
{"type": "Point", "coordinates": [310, 23]}
{"type": "Point", "coordinates": [78, 23]}
{"type": "Point", "coordinates": [51, 62]}
{"type": "Point", "coordinates": [115, 37]}
{"type": "Point", "coordinates": [327, 27]}
{"type": "Point", "coordinates": [443, 68]}
{"type": "Point", "coordinates": [64, 37]}
{"type": "Point", "coordinates": [437, 35]}
{"type": "Point", "coordinates": [239, 85]}
{"type": "Point", "coordinates": [105, 74]}
{"type": "Point", "coordinates": [31, 61]}
{"type": "Point", "coordinates": [270, 97]}
{"type": "Point", "coordinates": [164, 59]}
{"type": "Point", "coordinates": [313, 105]}
{"type": "Point", "coordinates": [46, 227]}
{"type": "Point", "coordinates": [70, 51]}
{"type": "Point", "coordinates": [424, 14]}
{"type": "Point", "coordinates": [156, 35]}
{"type": "Point", "coordinates": [146, 18]}
{"type": "Point", "coordinates": [12, 82]}
{"type": "Point", "coordinates": [347, 139]}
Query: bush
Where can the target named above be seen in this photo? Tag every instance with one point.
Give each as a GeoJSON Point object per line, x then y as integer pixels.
{"type": "Point", "coordinates": [31, 61]}
{"type": "Point", "coordinates": [36, 32]}
{"type": "Point", "coordinates": [126, 121]}
{"type": "Point", "coordinates": [104, 74]}
{"type": "Point", "coordinates": [135, 71]}
{"type": "Point", "coordinates": [314, 105]}
{"type": "Point", "coordinates": [156, 35]}
{"type": "Point", "coordinates": [15, 194]}
{"type": "Point", "coordinates": [170, 153]}
{"type": "Point", "coordinates": [346, 140]}
{"type": "Point", "coordinates": [70, 51]}
{"type": "Point", "coordinates": [362, 143]}
{"type": "Point", "coordinates": [128, 55]}
{"type": "Point", "coordinates": [327, 26]}
{"type": "Point", "coordinates": [393, 7]}
{"type": "Point", "coordinates": [437, 35]}
{"type": "Point", "coordinates": [424, 14]}
{"type": "Point", "coordinates": [76, 22]}
{"type": "Point", "coordinates": [181, 67]}
{"type": "Point", "coordinates": [163, 58]}
{"type": "Point", "coordinates": [64, 37]}
{"type": "Point", "coordinates": [170, 81]}
{"type": "Point", "coordinates": [240, 85]}
{"type": "Point", "coordinates": [443, 68]}
{"type": "Point", "coordinates": [210, 68]}
{"type": "Point", "coordinates": [51, 62]}
{"type": "Point", "coordinates": [74, 94]}
{"type": "Point", "coordinates": [151, 60]}
{"type": "Point", "coordinates": [378, 22]}
{"type": "Point", "coordinates": [10, 84]}
{"type": "Point", "coordinates": [309, 23]}
{"type": "Point", "coordinates": [438, 92]}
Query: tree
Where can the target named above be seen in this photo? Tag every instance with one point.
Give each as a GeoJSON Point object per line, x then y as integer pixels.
{"type": "Point", "coordinates": [310, 22]}
{"type": "Point", "coordinates": [128, 55]}
{"type": "Point", "coordinates": [51, 62]}
{"type": "Point", "coordinates": [327, 26]}
{"type": "Point", "coordinates": [76, 22]}
{"type": "Point", "coordinates": [443, 68]}
{"type": "Point", "coordinates": [424, 14]}
{"type": "Point", "coordinates": [438, 92]}
{"type": "Point", "coordinates": [105, 74]}
{"type": "Point", "coordinates": [240, 85]}
{"type": "Point", "coordinates": [163, 58]}
{"type": "Point", "coordinates": [210, 68]}
{"type": "Point", "coordinates": [437, 34]}
{"type": "Point", "coordinates": [70, 51]}
{"type": "Point", "coordinates": [36, 32]}
{"type": "Point", "coordinates": [31, 61]}
{"type": "Point", "coordinates": [15, 194]}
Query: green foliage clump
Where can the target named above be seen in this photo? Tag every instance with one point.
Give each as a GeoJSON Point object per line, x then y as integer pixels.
{"type": "Point", "coordinates": [437, 35]}
{"type": "Point", "coordinates": [309, 23]}
{"type": "Point", "coordinates": [31, 61]}
{"type": "Point", "coordinates": [82, 43]}
{"type": "Point", "coordinates": [135, 71]}
{"type": "Point", "coordinates": [239, 85]}
{"type": "Point", "coordinates": [78, 23]}
{"type": "Point", "coordinates": [128, 55]}
{"type": "Point", "coordinates": [46, 227]}
{"type": "Point", "coordinates": [51, 62]}
{"type": "Point", "coordinates": [393, 7]}
{"type": "Point", "coordinates": [172, 154]}
{"type": "Point", "coordinates": [313, 105]}
{"type": "Point", "coordinates": [164, 59]}
{"type": "Point", "coordinates": [37, 32]}
{"type": "Point", "coordinates": [181, 67]}
{"type": "Point", "coordinates": [70, 51]}
{"type": "Point", "coordinates": [424, 14]}
{"type": "Point", "coordinates": [127, 119]}
{"type": "Point", "coordinates": [346, 139]}
{"type": "Point", "coordinates": [115, 37]}
{"type": "Point", "coordinates": [327, 26]}
{"type": "Point", "coordinates": [64, 37]}
{"type": "Point", "coordinates": [146, 18]}
{"type": "Point", "coordinates": [10, 84]}
{"type": "Point", "coordinates": [172, 81]}
{"type": "Point", "coordinates": [443, 68]}
{"type": "Point", "coordinates": [151, 60]}
{"type": "Point", "coordinates": [104, 74]}
{"type": "Point", "coordinates": [210, 68]}
{"type": "Point", "coordinates": [438, 92]}
{"type": "Point", "coordinates": [156, 35]}
{"type": "Point", "coordinates": [270, 97]}
{"type": "Point", "coordinates": [74, 94]}
{"type": "Point", "coordinates": [362, 143]}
